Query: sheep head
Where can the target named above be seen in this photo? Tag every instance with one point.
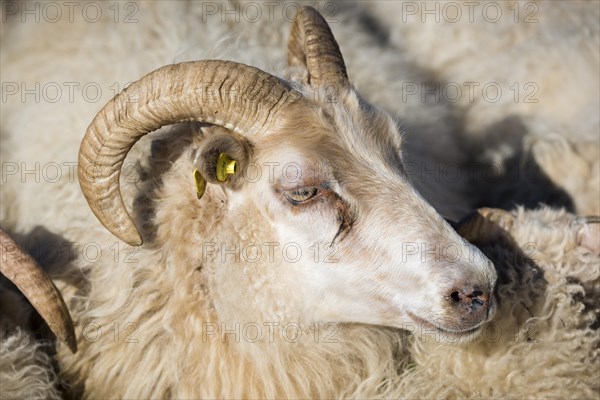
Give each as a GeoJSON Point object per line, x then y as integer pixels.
{"type": "Point", "coordinates": [335, 177]}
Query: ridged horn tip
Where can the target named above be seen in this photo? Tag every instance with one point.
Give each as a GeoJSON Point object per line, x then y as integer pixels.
{"type": "Point", "coordinates": [22, 270]}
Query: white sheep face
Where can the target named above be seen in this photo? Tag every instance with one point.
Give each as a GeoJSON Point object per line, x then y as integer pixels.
{"type": "Point", "coordinates": [352, 240]}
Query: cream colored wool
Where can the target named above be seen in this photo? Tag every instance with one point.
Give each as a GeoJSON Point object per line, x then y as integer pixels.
{"type": "Point", "coordinates": [543, 342]}
{"type": "Point", "coordinates": [543, 55]}
{"type": "Point", "coordinates": [141, 312]}
{"type": "Point", "coordinates": [26, 371]}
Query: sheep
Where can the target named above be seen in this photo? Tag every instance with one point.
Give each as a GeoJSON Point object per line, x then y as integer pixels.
{"type": "Point", "coordinates": [26, 370]}
{"type": "Point", "coordinates": [263, 116]}
{"type": "Point", "coordinates": [187, 32]}
{"type": "Point", "coordinates": [543, 57]}
{"type": "Point", "coordinates": [37, 286]}
{"type": "Point", "coordinates": [186, 339]}
{"type": "Point", "coordinates": [555, 280]}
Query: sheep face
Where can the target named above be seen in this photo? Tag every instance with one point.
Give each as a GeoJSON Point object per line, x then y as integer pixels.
{"type": "Point", "coordinates": [353, 241]}
{"type": "Point", "coordinates": [333, 188]}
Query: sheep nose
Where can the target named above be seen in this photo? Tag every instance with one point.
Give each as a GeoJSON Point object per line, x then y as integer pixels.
{"type": "Point", "coordinates": [474, 298]}
{"type": "Point", "coordinates": [472, 303]}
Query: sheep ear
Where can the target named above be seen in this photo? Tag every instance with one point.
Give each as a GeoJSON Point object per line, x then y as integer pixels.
{"type": "Point", "coordinates": [589, 235]}
{"type": "Point", "coordinates": [221, 159]}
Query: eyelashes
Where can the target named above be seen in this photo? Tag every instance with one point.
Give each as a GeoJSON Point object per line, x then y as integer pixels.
{"type": "Point", "coordinates": [302, 195]}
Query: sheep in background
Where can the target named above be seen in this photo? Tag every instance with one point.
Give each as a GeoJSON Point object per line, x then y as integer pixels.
{"type": "Point", "coordinates": [25, 369]}
{"type": "Point", "coordinates": [543, 55]}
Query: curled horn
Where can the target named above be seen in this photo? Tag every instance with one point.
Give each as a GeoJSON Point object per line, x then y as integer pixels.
{"type": "Point", "coordinates": [312, 44]}
{"type": "Point", "coordinates": [36, 285]}
{"type": "Point", "coordinates": [232, 95]}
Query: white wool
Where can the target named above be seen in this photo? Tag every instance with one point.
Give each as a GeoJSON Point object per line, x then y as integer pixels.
{"type": "Point", "coordinates": [145, 318]}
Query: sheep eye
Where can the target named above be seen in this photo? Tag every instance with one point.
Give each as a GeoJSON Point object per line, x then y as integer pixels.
{"type": "Point", "coordinates": [301, 195]}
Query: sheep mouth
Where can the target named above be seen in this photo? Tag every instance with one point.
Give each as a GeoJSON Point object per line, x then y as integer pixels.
{"type": "Point", "coordinates": [447, 333]}
{"type": "Point", "coordinates": [453, 334]}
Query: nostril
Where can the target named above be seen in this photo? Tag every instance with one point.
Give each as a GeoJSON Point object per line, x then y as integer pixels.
{"type": "Point", "coordinates": [476, 303]}
{"type": "Point", "coordinates": [455, 296]}
{"type": "Point", "coordinates": [475, 298]}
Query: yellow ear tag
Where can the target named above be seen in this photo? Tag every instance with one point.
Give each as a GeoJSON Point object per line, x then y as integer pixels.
{"type": "Point", "coordinates": [200, 183]}
{"type": "Point", "coordinates": [225, 167]}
